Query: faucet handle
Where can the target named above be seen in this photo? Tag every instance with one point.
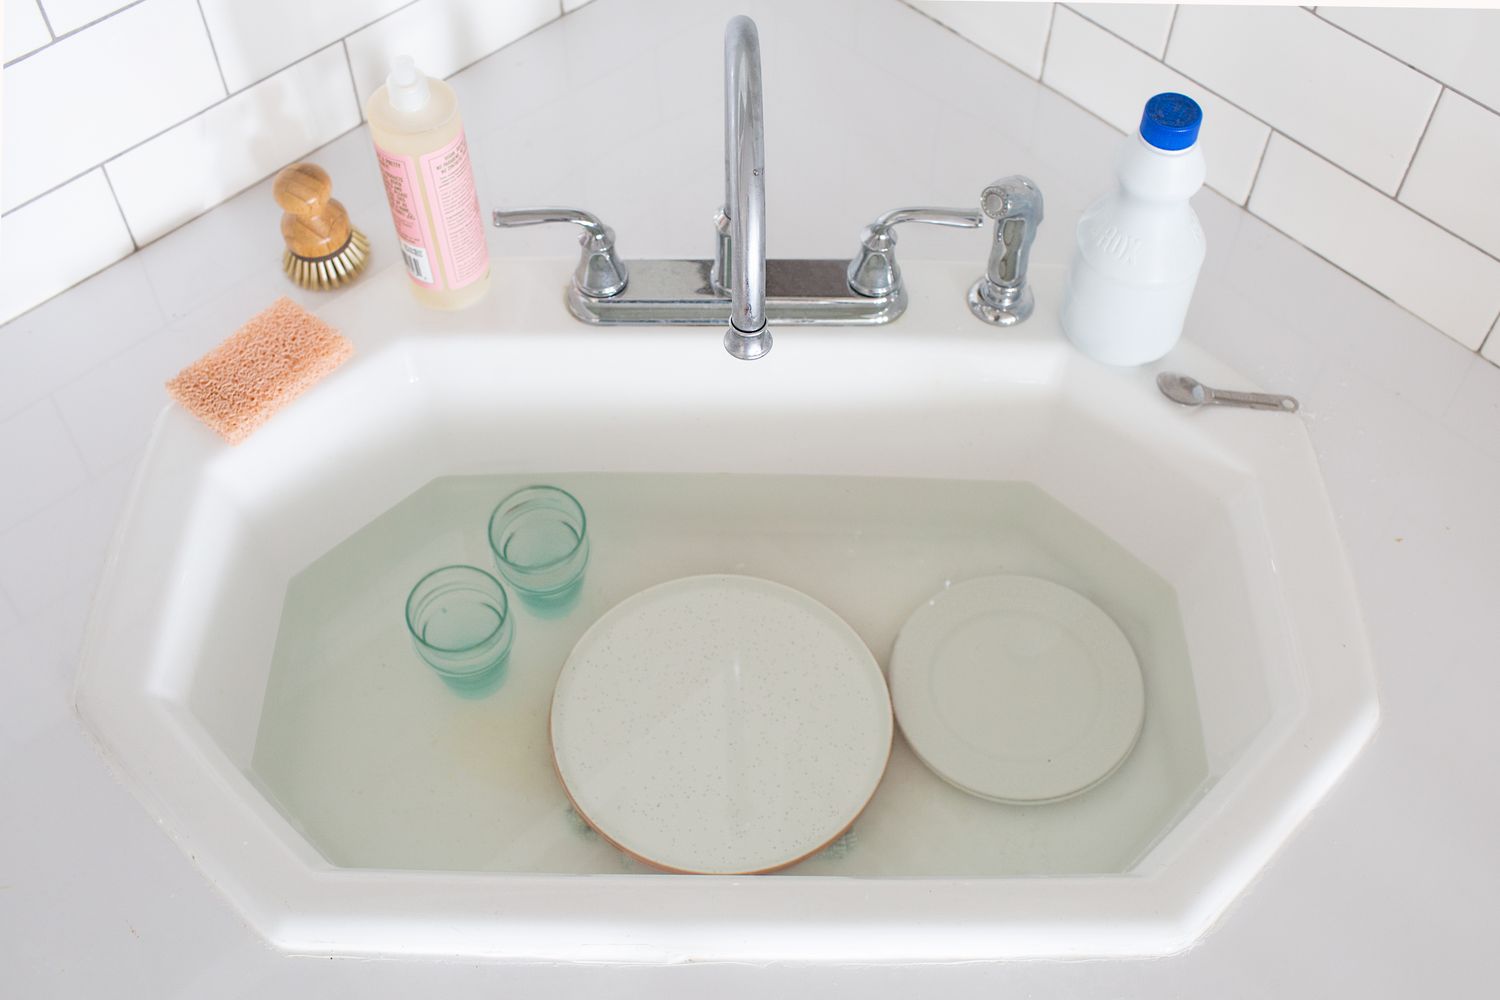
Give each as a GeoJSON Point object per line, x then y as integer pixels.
{"type": "Point", "coordinates": [873, 271]}
{"type": "Point", "coordinates": [1001, 296]}
{"type": "Point", "coordinates": [600, 273]}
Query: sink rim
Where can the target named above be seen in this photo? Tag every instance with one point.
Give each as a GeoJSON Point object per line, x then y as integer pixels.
{"type": "Point", "coordinates": [302, 904]}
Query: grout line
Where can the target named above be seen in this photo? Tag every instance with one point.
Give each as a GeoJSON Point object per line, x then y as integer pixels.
{"type": "Point", "coordinates": [1272, 130]}
{"type": "Point", "coordinates": [72, 440]}
{"type": "Point", "coordinates": [209, 107]}
{"type": "Point", "coordinates": [1172, 69]}
{"type": "Point", "coordinates": [502, 48]}
{"type": "Point", "coordinates": [303, 58]}
{"type": "Point", "coordinates": [911, 6]}
{"type": "Point", "coordinates": [353, 83]}
{"type": "Point", "coordinates": [1381, 292]}
{"type": "Point", "coordinates": [1047, 45]}
{"type": "Point", "coordinates": [1259, 165]}
{"type": "Point", "coordinates": [1399, 204]}
{"type": "Point", "coordinates": [1091, 111]}
{"type": "Point", "coordinates": [213, 48]}
{"type": "Point", "coordinates": [1073, 8]}
{"type": "Point", "coordinates": [1417, 149]}
{"type": "Point", "coordinates": [259, 180]}
{"type": "Point", "coordinates": [1492, 335]}
{"type": "Point", "coordinates": [269, 76]}
{"type": "Point", "coordinates": [157, 135]}
{"type": "Point", "coordinates": [109, 181]}
{"type": "Point", "coordinates": [63, 291]}
{"type": "Point", "coordinates": [1171, 27]}
{"type": "Point", "coordinates": [47, 23]}
{"type": "Point", "coordinates": [349, 59]}
{"type": "Point", "coordinates": [1415, 69]}
{"type": "Point", "coordinates": [67, 34]}
{"type": "Point", "coordinates": [89, 24]}
{"type": "Point", "coordinates": [1378, 291]}
{"type": "Point", "coordinates": [376, 20]}
{"type": "Point", "coordinates": [54, 188]}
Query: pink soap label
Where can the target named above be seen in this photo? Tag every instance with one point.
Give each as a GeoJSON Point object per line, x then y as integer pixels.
{"type": "Point", "coordinates": [400, 175]}
{"type": "Point", "coordinates": [455, 213]}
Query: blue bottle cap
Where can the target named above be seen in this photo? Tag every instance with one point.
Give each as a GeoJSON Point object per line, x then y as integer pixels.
{"type": "Point", "coordinates": [1171, 121]}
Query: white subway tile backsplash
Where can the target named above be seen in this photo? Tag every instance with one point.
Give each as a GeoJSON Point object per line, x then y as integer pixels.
{"type": "Point", "coordinates": [1144, 25]}
{"type": "Point", "coordinates": [80, 101]}
{"type": "Point", "coordinates": [1458, 47]}
{"type": "Point", "coordinates": [1357, 106]}
{"type": "Point", "coordinates": [1113, 80]}
{"type": "Point", "coordinates": [1016, 32]}
{"type": "Point", "coordinates": [35, 444]}
{"type": "Point", "coordinates": [58, 240]}
{"type": "Point", "coordinates": [1412, 261]}
{"type": "Point", "coordinates": [443, 36]}
{"type": "Point", "coordinates": [181, 173]}
{"type": "Point", "coordinates": [23, 28]}
{"type": "Point", "coordinates": [256, 39]}
{"type": "Point", "coordinates": [244, 233]}
{"type": "Point", "coordinates": [1454, 177]}
{"type": "Point", "coordinates": [70, 15]}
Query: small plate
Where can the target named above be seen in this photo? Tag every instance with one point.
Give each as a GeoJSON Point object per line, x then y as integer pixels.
{"type": "Point", "coordinates": [1017, 689]}
{"type": "Point", "coordinates": [721, 725]}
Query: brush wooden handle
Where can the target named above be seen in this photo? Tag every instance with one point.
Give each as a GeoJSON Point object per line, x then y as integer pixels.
{"type": "Point", "coordinates": [315, 225]}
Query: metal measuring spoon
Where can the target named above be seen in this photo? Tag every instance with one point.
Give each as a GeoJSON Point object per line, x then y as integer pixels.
{"type": "Point", "coordinates": [1189, 391]}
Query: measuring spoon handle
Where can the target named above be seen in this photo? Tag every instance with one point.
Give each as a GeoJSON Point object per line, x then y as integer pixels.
{"type": "Point", "coordinates": [1253, 400]}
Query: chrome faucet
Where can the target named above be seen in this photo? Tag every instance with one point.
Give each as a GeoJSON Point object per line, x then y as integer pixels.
{"type": "Point", "coordinates": [744, 192]}
{"type": "Point", "coordinates": [743, 290]}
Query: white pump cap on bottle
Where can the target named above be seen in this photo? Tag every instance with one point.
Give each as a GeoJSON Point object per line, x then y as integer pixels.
{"type": "Point", "coordinates": [406, 85]}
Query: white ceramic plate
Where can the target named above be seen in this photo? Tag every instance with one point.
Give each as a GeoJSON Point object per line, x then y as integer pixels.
{"type": "Point", "coordinates": [1017, 689]}
{"type": "Point", "coordinates": [721, 725]}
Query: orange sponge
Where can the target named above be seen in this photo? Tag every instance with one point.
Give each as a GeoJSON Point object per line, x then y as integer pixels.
{"type": "Point", "coordinates": [270, 361]}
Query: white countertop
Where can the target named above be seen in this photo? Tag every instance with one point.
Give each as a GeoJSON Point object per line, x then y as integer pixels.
{"type": "Point", "coordinates": [1389, 889]}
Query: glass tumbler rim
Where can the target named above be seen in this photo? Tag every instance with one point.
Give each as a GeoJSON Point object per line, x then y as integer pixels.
{"type": "Point", "coordinates": [545, 490]}
{"type": "Point", "coordinates": [504, 608]}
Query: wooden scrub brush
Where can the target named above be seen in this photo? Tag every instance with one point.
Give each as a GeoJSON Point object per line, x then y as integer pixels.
{"type": "Point", "coordinates": [322, 249]}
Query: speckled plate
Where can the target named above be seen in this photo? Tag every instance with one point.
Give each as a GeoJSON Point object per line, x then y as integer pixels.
{"type": "Point", "coordinates": [721, 725]}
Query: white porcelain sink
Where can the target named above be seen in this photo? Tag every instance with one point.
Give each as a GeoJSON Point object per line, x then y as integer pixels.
{"type": "Point", "coordinates": [1207, 535]}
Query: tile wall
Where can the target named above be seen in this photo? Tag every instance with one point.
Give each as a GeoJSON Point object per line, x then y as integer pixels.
{"type": "Point", "coordinates": [1370, 135]}
{"type": "Point", "coordinates": [124, 120]}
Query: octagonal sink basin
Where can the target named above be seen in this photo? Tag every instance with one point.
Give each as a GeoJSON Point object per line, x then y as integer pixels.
{"type": "Point", "coordinates": [248, 672]}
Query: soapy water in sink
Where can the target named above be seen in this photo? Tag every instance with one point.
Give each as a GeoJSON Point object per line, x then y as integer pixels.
{"type": "Point", "coordinates": [381, 766]}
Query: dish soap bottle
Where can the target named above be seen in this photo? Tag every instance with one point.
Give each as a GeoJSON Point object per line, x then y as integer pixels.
{"type": "Point", "coordinates": [424, 159]}
{"type": "Point", "coordinates": [1140, 248]}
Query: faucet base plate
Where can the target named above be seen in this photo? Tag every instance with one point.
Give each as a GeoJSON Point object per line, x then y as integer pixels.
{"type": "Point", "coordinates": [681, 293]}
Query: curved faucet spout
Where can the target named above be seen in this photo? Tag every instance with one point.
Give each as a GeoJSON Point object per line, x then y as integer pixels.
{"type": "Point", "coordinates": [745, 190]}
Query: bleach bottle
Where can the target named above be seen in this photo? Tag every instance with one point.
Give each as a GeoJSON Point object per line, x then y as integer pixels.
{"type": "Point", "coordinates": [1140, 247]}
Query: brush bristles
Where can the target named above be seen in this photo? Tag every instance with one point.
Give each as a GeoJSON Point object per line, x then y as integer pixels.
{"type": "Point", "coordinates": [323, 273]}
